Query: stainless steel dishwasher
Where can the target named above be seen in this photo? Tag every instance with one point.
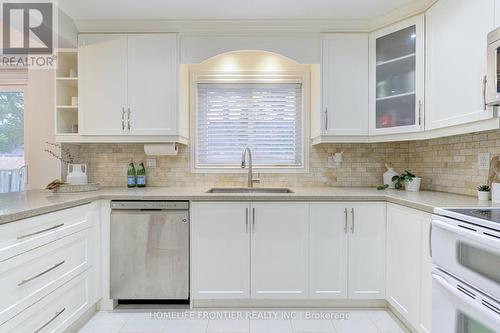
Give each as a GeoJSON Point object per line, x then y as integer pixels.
{"type": "Point", "coordinates": [149, 250]}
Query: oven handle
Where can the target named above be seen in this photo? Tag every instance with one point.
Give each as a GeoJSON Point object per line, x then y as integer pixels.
{"type": "Point", "coordinates": [464, 299]}
{"type": "Point", "coordinates": [469, 234]}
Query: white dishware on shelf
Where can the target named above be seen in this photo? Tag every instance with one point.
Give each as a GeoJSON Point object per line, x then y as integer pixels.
{"type": "Point", "coordinates": [74, 101]}
{"type": "Point", "coordinates": [77, 174]}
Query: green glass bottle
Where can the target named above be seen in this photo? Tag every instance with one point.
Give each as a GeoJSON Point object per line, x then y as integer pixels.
{"type": "Point", "coordinates": [131, 175]}
{"type": "Point", "coordinates": [141, 175]}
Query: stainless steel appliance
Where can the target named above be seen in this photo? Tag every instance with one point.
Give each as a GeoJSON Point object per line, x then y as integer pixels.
{"type": "Point", "coordinates": [466, 270]}
{"type": "Point", "coordinates": [149, 250]}
{"type": "Point", "coordinates": [493, 79]}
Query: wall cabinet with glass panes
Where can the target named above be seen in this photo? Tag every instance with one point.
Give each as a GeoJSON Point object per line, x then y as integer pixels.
{"type": "Point", "coordinates": [397, 78]}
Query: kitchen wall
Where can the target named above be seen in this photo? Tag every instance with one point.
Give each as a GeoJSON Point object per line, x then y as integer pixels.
{"type": "Point", "coordinates": [450, 164]}
{"type": "Point", "coordinates": [363, 166]}
{"type": "Point", "coordinates": [446, 164]}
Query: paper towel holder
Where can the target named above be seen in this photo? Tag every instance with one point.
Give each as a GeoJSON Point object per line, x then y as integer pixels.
{"type": "Point", "coordinates": [161, 149]}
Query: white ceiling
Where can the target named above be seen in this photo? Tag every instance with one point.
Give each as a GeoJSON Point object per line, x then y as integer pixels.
{"type": "Point", "coordinates": [230, 9]}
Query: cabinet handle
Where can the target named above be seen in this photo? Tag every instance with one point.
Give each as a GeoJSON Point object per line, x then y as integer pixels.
{"type": "Point", "coordinates": [485, 81]}
{"type": "Point", "coordinates": [352, 216]}
{"type": "Point", "coordinates": [40, 231]}
{"type": "Point", "coordinates": [253, 220]}
{"type": "Point", "coordinates": [123, 119]}
{"type": "Point", "coordinates": [326, 119]}
{"type": "Point", "coordinates": [345, 224]}
{"type": "Point", "coordinates": [58, 313]}
{"type": "Point", "coordinates": [246, 220]}
{"type": "Point", "coordinates": [128, 118]}
{"type": "Point", "coordinates": [420, 113]}
{"type": "Point", "coordinates": [23, 282]}
{"type": "Point", "coordinates": [430, 240]}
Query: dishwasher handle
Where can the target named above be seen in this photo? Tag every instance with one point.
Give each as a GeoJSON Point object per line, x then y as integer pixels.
{"type": "Point", "coordinates": [149, 205]}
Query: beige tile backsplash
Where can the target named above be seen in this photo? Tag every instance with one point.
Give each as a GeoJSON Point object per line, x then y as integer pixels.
{"type": "Point", "coordinates": [363, 166]}
{"type": "Point", "coordinates": [447, 164]}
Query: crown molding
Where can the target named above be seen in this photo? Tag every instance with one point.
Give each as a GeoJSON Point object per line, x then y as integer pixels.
{"type": "Point", "coordinates": [236, 27]}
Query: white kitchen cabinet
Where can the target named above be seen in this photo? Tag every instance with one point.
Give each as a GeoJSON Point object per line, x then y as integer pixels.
{"type": "Point", "coordinates": [367, 233]}
{"type": "Point", "coordinates": [456, 32]}
{"type": "Point", "coordinates": [220, 250]}
{"type": "Point", "coordinates": [397, 77]}
{"type": "Point", "coordinates": [128, 84]}
{"type": "Point", "coordinates": [153, 81]}
{"type": "Point", "coordinates": [425, 313]}
{"type": "Point", "coordinates": [344, 84]}
{"type": "Point", "coordinates": [279, 259]}
{"type": "Point", "coordinates": [328, 250]}
{"type": "Point", "coordinates": [102, 86]}
{"type": "Point", "coordinates": [408, 264]}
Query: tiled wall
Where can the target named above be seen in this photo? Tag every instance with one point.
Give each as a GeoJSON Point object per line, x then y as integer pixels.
{"type": "Point", "coordinates": [447, 164]}
{"type": "Point", "coordinates": [451, 164]}
{"type": "Point", "coordinates": [363, 166]}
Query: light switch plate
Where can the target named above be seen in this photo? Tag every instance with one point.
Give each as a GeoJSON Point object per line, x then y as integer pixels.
{"type": "Point", "coordinates": [151, 162]}
{"type": "Point", "coordinates": [483, 161]}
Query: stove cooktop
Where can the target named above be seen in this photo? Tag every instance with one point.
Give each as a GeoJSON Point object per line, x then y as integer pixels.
{"type": "Point", "coordinates": [486, 214]}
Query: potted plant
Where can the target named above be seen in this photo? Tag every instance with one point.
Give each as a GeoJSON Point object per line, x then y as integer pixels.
{"type": "Point", "coordinates": [483, 192]}
{"type": "Point", "coordinates": [409, 180]}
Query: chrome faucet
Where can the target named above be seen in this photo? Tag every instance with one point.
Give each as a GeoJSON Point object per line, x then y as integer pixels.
{"type": "Point", "coordinates": [243, 164]}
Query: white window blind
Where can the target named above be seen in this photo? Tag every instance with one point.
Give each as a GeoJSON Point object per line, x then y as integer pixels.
{"type": "Point", "coordinates": [267, 117]}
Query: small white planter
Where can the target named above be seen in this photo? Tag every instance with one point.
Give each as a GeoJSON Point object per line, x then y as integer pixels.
{"type": "Point", "coordinates": [483, 195]}
{"type": "Point", "coordinates": [414, 185]}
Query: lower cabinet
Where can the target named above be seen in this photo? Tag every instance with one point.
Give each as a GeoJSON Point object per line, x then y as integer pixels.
{"type": "Point", "coordinates": [279, 250]}
{"type": "Point", "coordinates": [283, 250]}
{"type": "Point", "coordinates": [409, 265]}
{"type": "Point", "coordinates": [220, 250]}
{"type": "Point", "coordinates": [52, 274]}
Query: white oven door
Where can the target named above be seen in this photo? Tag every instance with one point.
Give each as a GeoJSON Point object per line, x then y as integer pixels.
{"type": "Point", "coordinates": [458, 308]}
{"type": "Point", "coordinates": [467, 251]}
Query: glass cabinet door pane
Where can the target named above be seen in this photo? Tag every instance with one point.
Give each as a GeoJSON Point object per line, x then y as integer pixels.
{"type": "Point", "coordinates": [396, 79]}
{"type": "Point", "coordinates": [398, 44]}
{"type": "Point", "coordinates": [467, 324]}
{"type": "Point", "coordinates": [395, 112]}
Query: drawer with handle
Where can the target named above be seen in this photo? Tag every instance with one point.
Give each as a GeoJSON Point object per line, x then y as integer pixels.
{"type": "Point", "coordinates": [23, 235]}
{"type": "Point", "coordinates": [33, 274]}
{"type": "Point", "coordinates": [56, 311]}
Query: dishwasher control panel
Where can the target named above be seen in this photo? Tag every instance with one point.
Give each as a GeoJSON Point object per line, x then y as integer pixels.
{"type": "Point", "coordinates": [156, 205]}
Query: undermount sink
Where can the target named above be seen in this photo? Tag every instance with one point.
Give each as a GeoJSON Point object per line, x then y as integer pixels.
{"type": "Point", "coordinates": [249, 190]}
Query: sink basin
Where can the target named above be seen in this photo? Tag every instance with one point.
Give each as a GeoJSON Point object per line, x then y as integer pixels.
{"type": "Point", "coordinates": [249, 190]}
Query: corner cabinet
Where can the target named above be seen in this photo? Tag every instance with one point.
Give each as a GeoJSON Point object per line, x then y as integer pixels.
{"type": "Point", "coordinates": [344, 85]}
{"type": "Point", "coordinates": [456, 61]}
{"type": "Point", "coordinates": [397, 78]}
{"type": "Point", "coordinates": [409, 265]}
{"type": "Point", "coordinates": [128, 85]}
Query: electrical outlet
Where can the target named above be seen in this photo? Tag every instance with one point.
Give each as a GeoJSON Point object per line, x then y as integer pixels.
{"type": "Point", "coordinates": [151, 162]}
{"type": "Point", "coordinates": [483, 161]}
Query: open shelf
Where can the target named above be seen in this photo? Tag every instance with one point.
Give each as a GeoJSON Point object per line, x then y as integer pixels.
{"type": "Point", "coordinates": [66, 82]}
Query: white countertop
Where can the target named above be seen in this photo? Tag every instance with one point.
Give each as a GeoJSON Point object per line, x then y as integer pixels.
{"type": "Point", "coordinates": [16, 206]}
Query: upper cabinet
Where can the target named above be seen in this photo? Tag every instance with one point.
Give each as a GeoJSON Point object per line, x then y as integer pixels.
{"type": "Point", "coordinates": [397, 78]}
{"type": "Point", "coordinates": [456, 61]}
{"type": "Point", "coordinates": [128, 85]}
{"type": "Point", "coordinates": [344, 84]}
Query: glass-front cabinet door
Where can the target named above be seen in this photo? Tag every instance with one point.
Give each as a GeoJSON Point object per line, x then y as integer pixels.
{"type": "Point", "coordinates": [396, 78]}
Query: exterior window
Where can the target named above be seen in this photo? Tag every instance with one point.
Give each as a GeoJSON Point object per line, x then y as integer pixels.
{"type": "Point", "coordinates": [266, 117]}
{"type": "Point", "coordinates": [12, 162]}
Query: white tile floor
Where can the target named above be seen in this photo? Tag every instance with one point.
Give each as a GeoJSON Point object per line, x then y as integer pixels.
{"type": "Point", "coordinates": [130, 321]}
